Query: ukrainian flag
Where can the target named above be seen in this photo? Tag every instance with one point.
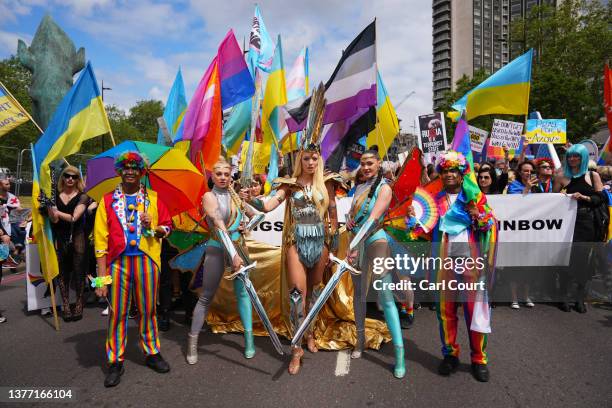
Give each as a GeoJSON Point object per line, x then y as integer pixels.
{"type": "Point", "coordinates": [80, 116]}
{"type": "Point", "coordinates": [11, 113]}
{"type": "Point", "coordinates": [387, 126]}
{"type": "Point", "coordinates": [504, 92]}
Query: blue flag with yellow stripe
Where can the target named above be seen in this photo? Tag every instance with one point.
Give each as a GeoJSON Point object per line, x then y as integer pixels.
{"type": "Point", "coordinates": [80, 116]}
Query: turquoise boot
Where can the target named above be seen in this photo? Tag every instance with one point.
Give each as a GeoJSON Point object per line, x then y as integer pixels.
{"type": "Point", "coordinates": [246, 316]}
{"type": "Point", "coordinates": [393, 323]}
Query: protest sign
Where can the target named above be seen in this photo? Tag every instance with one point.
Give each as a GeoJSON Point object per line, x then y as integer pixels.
{"type": "Point", "coordinates": [546, 131]}
{"type": "Point", "coordinates": [432, 134]}
{"type": "Point", "coordinates": [506, 133]}
{"type": "Point", "coordinates": [477, 138]}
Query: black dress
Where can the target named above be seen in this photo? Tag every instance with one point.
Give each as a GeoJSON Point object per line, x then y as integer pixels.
{"type": "Point", "coordinates": [581, 262]}
{"type": "Point", "coordinates": [70, 246]}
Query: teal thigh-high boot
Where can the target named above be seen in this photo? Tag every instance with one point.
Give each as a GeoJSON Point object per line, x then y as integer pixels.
{"type": "Point", "coordinates": [393, 323]}
{"type": "Point", "coordinates": [246, 316]}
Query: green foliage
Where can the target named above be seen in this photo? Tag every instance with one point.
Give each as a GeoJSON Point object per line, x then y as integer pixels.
{"type": "Point", "coordinates": [143, 116]}
{"type": "Point", "coordinates": [17, 79]}
{"type": "Point", "coordinates": [462, 86]}
{"type": "Point", "coordinates": [572, 43]}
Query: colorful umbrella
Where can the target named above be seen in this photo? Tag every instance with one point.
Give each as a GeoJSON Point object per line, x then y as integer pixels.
{"type": "Point", "coordinates": [178, 183]}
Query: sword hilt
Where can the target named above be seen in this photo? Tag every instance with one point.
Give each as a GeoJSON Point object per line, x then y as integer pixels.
{"type": "Point", "coordinates": [344, 264]}
{"type": "Point", "coordinates": [242, 271]}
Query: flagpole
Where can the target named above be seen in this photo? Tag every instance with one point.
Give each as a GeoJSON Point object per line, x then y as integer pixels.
{"type": "Point", "coordinates": [53, 305]}
{"type": "Point", "coordinates": [21, 107]}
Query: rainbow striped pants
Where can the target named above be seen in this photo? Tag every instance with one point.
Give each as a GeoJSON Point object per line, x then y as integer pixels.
{"type": "Point", "coordinates": [140, 275]}
{"type": "Point", "coordinates": [446, 310]}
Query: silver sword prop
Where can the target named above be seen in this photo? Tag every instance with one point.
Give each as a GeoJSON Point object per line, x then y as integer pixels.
{"type": "Point", "coordinates": [254, 222]}
{"type": "Point", "coordinates": [243, 275]}
{"type": "Point", "coordinates": [343, 267]}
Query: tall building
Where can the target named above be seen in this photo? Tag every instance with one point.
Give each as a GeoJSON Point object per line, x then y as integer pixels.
{"type": "Point", "coordinates": [520, 9]}
{"type": "Point", "coordinates": [468, 35]}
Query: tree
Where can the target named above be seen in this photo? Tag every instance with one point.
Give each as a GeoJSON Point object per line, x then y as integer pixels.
{"type": "Point", "coordinates": [572, 43]}
{"type": "Point", "coordinates": [463, 86]}
{"type": "Point", "coordinates": [143, 117]}
{"type": "Point", "coordinates": [17, 79]}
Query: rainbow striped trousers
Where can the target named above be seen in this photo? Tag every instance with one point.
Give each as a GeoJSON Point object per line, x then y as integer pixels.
{"type": "Point", "coordinates": [446, 310]}
{"type": "Point", "coordinates": [140, 275]}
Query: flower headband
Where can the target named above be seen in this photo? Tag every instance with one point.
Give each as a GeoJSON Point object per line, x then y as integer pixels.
{"type": "Point", "coordinates": [125, 158]}
{"type": "Point", "coordinates": [452, 160]}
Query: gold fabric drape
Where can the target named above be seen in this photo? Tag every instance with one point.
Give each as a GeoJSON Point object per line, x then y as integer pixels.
{"type": "Point", "coordinates": [334, 328]}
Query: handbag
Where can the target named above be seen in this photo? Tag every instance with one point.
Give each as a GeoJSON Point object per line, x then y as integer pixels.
{"type": "Point", "coordinates": [601, 217]}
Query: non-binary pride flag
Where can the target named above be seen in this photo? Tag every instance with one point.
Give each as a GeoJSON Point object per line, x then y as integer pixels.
{"type": "Point", "coordinates": [352, 87]}
{"type": "Point", "coordinates": [11, 113]}
{"type": "Point", "coordinates": [504, 92]}
{"type": "Point", "coordinates": [80, 116]}
{"type": "Point", "coordinates": [175, 109]}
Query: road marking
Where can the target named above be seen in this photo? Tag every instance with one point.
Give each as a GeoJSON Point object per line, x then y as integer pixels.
{"type": "Point", "coordinates": [343, 363]}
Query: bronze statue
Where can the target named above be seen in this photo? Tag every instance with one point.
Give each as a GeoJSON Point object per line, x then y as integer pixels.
{"type": "Point", "coordinates": [53, 60]}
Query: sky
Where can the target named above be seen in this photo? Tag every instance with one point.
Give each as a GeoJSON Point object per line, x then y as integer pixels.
{"type": "Point", "coordinates": [136, 46]}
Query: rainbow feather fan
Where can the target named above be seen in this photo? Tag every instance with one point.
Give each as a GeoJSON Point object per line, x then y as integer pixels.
{"type": "Point", "coordinates": [425, 209]}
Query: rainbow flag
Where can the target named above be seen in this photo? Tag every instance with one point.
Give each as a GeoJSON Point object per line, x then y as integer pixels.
{"type": "Point", "coordinates": [175, 109]}
{"type": "Point", "coordinates": [11, 112]}
{"type": "Point", "coordinates": [504, 92]}
{"type": "Point", "coordinates": [457, 218]}
{"type": "Point", "coordinates": [80, 116]}
{"type": "Point", "coordinates": [273, 121]}
{"type": "Point", "coordinates": [387, 125]}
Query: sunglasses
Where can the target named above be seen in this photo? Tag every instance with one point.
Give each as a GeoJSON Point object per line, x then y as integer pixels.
{"type": "Point", "coordinates": [71, 176]}
{"type": "Point", "coordinates": [573, 155]}
{"type": "Point", "coordinates": [545, 167]}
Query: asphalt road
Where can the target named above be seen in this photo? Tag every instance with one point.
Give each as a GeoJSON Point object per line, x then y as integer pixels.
{"type": "Point", "coordinates": [538, 358]}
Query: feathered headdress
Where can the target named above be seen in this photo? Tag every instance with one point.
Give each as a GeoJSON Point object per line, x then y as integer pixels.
{"type": "Point", "coordinates": [312, 133]}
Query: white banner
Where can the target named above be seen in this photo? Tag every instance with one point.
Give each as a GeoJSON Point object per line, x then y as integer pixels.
{"type": "Point", "coordinates": [526, 225]}
{"type": "Point", "coordinates": [534, 229]}
{"type": "Point", "coordinates": [36, 287]}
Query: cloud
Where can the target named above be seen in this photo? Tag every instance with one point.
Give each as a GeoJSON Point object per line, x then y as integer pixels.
{"type": "Point", "coordinates": [8, 41]}
{"type": "Point", "coordinates": [137, 45]}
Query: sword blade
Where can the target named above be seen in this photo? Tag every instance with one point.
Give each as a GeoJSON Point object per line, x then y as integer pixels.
{"type": "Point", "coordinates": [318, 305]}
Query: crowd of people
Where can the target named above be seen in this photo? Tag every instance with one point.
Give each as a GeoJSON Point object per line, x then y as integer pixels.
{"type": "Point", "coordinates": [122, 236]}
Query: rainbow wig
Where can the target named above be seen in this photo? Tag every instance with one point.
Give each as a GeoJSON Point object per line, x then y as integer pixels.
{"type": "Point", "coordinates": [581, 151]}
{"type": "Point", "coordinates": [131, 157]}
{"type": "Point", "coordinates": [452, 160]}
{"type": "Point", "coordinates": [538, 162]}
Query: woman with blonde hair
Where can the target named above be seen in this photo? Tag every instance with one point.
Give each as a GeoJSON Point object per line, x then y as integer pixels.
{"type": "Point", "coordinates": [224, 218]}
{"type": "Point", "coordinates": [307, 240]}
{"type": "Point", "coordinates": [70, 240]}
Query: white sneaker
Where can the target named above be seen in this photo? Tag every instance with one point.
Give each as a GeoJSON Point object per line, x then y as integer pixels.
{"type": "Point", "coordinates": [515, 305]}
{"type": "Point", "coordinates": [105, 312]}
{"type": "Point", "coordinates": [529, 303]}
{"type": "Point", "coordinates": [45, 311]}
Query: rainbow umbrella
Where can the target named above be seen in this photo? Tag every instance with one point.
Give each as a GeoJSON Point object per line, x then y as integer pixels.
{"type": "Point", "coordinates": [178, 183]}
